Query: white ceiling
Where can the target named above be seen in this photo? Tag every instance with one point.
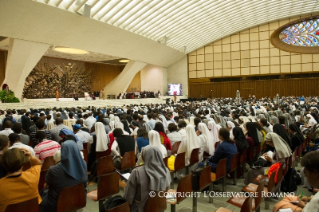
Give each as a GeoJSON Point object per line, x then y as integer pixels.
{"type": "Point", "coordinates": [190, 23]}
{"type": "Point", "coordinates": [90, 57]}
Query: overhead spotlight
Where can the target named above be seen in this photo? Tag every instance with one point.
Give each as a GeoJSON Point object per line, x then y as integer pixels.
{"type": "Point", "coordinates": [124, 61]}
{"type": "Point", "coordinates": [69, 50]}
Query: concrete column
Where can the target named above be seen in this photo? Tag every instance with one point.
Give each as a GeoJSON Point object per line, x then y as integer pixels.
{"type": "Point", "coordinates": [120, 83]}
{"type": "Point", "coordinates": [22, 58]}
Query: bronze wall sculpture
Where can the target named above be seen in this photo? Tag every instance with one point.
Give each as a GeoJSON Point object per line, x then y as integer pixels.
{"type": "Point", "coordinates": [51, 73]}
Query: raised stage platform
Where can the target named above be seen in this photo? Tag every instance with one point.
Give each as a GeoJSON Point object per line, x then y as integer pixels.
{"type": "Point", "coordinates": [69, 102]}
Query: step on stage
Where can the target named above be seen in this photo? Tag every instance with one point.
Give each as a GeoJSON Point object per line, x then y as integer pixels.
{"type": "Point", "coordinates": [70, 102]}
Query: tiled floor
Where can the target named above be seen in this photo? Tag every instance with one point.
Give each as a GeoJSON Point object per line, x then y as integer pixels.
{"type": "Point", "coordinates": [202, 202]}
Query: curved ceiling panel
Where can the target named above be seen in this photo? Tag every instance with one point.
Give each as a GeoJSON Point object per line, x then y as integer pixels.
{"type": "Point", "coordinates": [190, 23]}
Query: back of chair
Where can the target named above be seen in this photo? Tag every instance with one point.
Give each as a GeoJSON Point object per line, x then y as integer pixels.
{"type": "Point", "coordinates": [42, 179]}
{"type": "Point", "coordinates": [85, 155]}
{"type": "Point", "coordinates": [205, 179]}
{"type": "Point", "coordinates": [101, 154]}
{"type": "Point", "coordinates": [105, 166]}
{"type": "Point", "coordinates": [300, 149]}
{"type": "Point", "coordinates": [221, 168]}
{"type": "Point", "coordinates": [48, 162]}
{"type": "Point", "coordinates": [29, 205]}
{"type": "Point", "coordinates": [72, 198]}
{"type": "Point", "coordinates": [175, 147]}
{"type": "Point", "coordinates": [280, 173]}
{"type": "Point", "coordinates": [260, 195]}
{"type": "Point", "coordinates": [271, 182]}
{"type": "Point", "coordinates": [165, 161]}
{"type": "Point", "coordinates": [156, 203]}
{"type": "Point", "coordinates": [85, 146]}
{"type": "Point", "coordinates": [108, 186]}
{"type": "Point", "coordinates": [234, 162]}
{"type": "Point", "coordinates": [258, 149]}
{"type": "Point", "coordinates": [194, 157]}
{"type": "Point", "coordinates": [184, 186]}
{"type": "Point", "coordinates": [250, 155]}
{"type": "Point", "coordinates": [243, 157]}
{"type": "Point", "coordinates": [179, 161]}
{"type": "Point", "coordinates": [247, 206]}
{"type": "Point", "coordinates": [128, 160]}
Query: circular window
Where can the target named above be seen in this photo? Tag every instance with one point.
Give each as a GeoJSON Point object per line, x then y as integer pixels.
{"type": "Point", "coordinates": [300, 36]}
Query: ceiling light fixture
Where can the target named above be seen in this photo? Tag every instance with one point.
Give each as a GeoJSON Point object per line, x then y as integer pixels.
{"type": "Point", "coordinates": [124, 61]}
{"type": "Point", "coordinates": [70, 50]}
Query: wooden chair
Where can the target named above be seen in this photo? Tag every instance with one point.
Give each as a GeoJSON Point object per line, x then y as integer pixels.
{"type": "Point", "coordinates": [48, 162]}
{"type": "Point", "coordinates": [258, 150]}
{"type": "Point", "coordinates": [156, 203]}
{"type": "Point", "coordinates": [175, 147]}
{"type": "Point", "coordinates": [220, 174]}
{"type": "Point", "coordinates": [246, 207]}
{"type": "Point", "coordinates": [42, 180]}
{"type": "Point", "coordinates": [243, 161]}
{"type": "Point", "coordinates": [121, 208]}
{"type": "Point", "coordinates": [270, 186]}
{"type": "Point", "coordinates": [29, 205]}
{"type": "Point", "coordinates": [295, 157]}
{"type": "Point", "coordinates": [85, 154]}
{"type": "Point", "coordinates": [108, 185]}
{"type": "Point", "coordinates": [193, 159]}
{"type": "Point", "coordinates": [104, 166]}
{"type": "Point", "coordinates": [204, 181]}
{"type": "Point", "coordinates": [178, 165]}
{"type": "Point", "coordinates": [101, 154]}
{"type": "Point", "coordinates": [128, 161]}
{"type": "Point", "coordinates": [85, 146]}
{"type": "Point", "coordinates": [233, 167]}
{"type": "Point", "coordinates": [184, 186]}
{"type": "Point", "coordinates": [72, 198]}
{"type": "Point", "coordinates": [238, 201]}
{"type": "Point", "coordinates": [165, 161]}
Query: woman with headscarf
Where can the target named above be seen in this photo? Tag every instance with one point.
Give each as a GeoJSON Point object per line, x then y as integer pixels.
{"type": "Point", "coordinates": [278, 129]}
{"type": "Point", "coordinates": [191, 142]}
{"type": "Point", "coordinates": [296, 136]}
{"type": "Point", "coordinates": [153, 176]}
{"type": "Point", "coordinates": [147, 127]}
{"type": "Point", "coordinates": [206, 138]}
{"type": "Point", "coordinates": [100, 141]}
{"type": "Point", "coordinates": [126, 127]}
{"type": "Point", "coordinates": [155, 140]}
{"type": "Point", "coordinates": [221, 121]}
{"type": "Point", "coordinates": [70, 171]}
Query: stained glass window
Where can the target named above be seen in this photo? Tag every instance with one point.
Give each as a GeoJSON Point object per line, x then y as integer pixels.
{"type": "Point", "coordinates": [302, 34]}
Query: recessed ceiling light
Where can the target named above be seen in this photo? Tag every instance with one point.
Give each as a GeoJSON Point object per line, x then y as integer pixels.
{"type": "Point", "coordinates": [70, 50]}
{"type": "Point", "coordinates": [124, 61]}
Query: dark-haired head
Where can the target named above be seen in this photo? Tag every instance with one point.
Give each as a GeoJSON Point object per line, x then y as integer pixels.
{"type": "Point", "coordinates": [224, 134]}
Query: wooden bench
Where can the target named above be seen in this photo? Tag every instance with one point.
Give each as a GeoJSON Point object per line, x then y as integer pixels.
{"type": "Point", "coordinates": [47, 163]}
{"type": "Point", "coordinates": [233, 167]}
{"type": "Point", "coordinates": [121, 208]}
{"type": "Point", "coordinates": [42, 180]}
{"type": "Point", "coordinates": [156, 203]}
{"type": "Point", "coordinates": [179, 164]}
{"type": "Point", "coordinates": [193, 159]}
{"type": "Point", "coordinates": [175, 147]}
{"type": "Point", "coordinates": [243, 161]}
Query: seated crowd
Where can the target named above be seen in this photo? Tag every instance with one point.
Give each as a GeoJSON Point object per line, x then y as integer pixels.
{"type": "Point", "coordinates": [264, 130]}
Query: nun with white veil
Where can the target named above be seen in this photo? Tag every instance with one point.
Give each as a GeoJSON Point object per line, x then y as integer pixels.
{"type": "Point", "coordinates": [164, 122]}
{"type": "Point", "coordinates": [206, 139]}
{"type": "Point", "coordinates": [100, 143]}
{"type": "Point", "coordinates": [213, 128]}
{"type": "Point", "coordinates": [121, 126]}
{"type": "Point", "coordinates": [191, 120]}
{"type": "Point", "coordinates": [191, 142]}
{"type": "Point", "coordinates": [230, 127]}
{"type": "Point", "coordinates": [155, 140]}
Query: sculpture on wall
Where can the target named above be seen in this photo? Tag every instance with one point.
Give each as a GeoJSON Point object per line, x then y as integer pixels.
{"type": "Point", "coordinates": [44, 79]}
